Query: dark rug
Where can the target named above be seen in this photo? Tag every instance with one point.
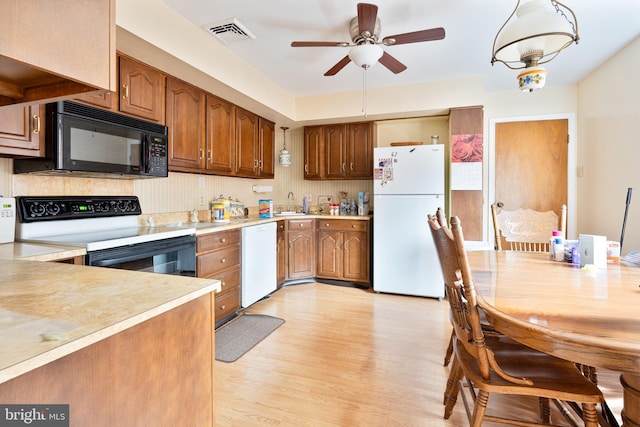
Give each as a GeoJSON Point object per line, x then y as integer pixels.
{"type": "Point", "coordinates": [242, 333]}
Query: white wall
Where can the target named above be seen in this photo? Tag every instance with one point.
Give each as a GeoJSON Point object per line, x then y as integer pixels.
{"type": "Point", "coordinates": [608, 122]}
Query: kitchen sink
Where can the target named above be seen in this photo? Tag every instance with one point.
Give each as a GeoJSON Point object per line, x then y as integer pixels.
{"type": "Point", "coordinates": [289, 214]}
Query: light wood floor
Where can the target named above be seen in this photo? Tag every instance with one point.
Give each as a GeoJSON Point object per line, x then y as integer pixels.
{"type": "Point", "coordinates": [351, 357]}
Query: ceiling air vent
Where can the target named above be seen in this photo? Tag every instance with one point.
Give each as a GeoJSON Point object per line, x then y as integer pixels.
{"type": "Point", "coordinates": [230, 30]}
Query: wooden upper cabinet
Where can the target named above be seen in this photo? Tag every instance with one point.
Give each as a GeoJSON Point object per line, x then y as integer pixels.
{"type": "Point", "coordinates": [246, 141]}
{"type": "Point", "coordinates": [360, 150]}
{"type": "Point", "coordinates": [255, 139]}
{"type": "Point", "coordinates": [186, 123]}
{"type": "Point", "coordinates": [22, 131]}
{"type": "Point", "coordinates": [266, 149]}
{"type": "Point", "coordinates": [313, 138]}
{"type": "Point", "coordinates": [335, 151]}
{"type": "Point", "coordinates": [56, 50]}
{"type": "Point", "coordinates": [220, 136]}
{"type": "Point", "coordinates": [142, 90]}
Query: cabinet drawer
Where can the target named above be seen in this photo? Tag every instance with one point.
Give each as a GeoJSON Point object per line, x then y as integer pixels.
{"type": "Point", "coordinates": [213, 262]}
{"type": "Point", "coordinates": [213, 241]}
{"type": "Point", "coordinates": [226, 304]}
{"type": "Point", "coordinates": [300, 224]}
{"type": "Point", "coordinates": [343, 225]}
{"type": "Point", "coordinates": [229, 281]}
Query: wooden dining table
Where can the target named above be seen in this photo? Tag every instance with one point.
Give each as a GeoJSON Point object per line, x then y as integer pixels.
{"type": "Point", "coordinates": [585, 315]}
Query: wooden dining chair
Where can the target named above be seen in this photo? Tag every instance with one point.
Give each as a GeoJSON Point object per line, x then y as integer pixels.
{"type": "Point", "coordinates": [501, 366]}
{"type": "Point", "coordinates": [526, 229]}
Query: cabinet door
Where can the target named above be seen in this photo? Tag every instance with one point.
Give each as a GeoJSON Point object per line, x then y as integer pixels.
{"type": "Point", "coordinates": [22, 131]}
{"type": "Point", "coordinates": [356, 256]}
{"type": "Point", "coordinates": [246, 143]}
{"type": "Point", "coordinates": [329, 254]}
{"type": "Point", "coordinates": [335, 150]}
{"type": "Point", "coordinates": [360, 151]}
{"type": "Point", "coordinates": [302, 252]}
{"type": "Point", "coordinates": [220, 140]}
{"type": "Point", "coordinates": [141, 90]}
{"type": "Point", "coordinates": [103, 100]}
{"type": "Point", "coordinates": [313, 138]}
{"type": "Point", "coordinates": [185, 119]}
{"type": "Point", "coordinates": [282, 256]}
{"type": "Point", "coordinates": [266, 149]}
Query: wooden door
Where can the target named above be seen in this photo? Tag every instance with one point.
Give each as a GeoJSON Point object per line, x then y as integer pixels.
{"type": "Point", "coordinates": [186, 123]}
{"type": "Point", "coordinates": [302, 253]}
{"type": "Point", "coordinates": [266, 148]}
{"type": "Point", "coordinates": [141, 90]}
{"type": "Point", "coordinates": [329, 254]}
{"type": "Point", "coordinates": [246, 143]}
{"type": "Point", "coordinates": [360, 151]}
{"type": "Point", "coordinates": [335, 150]}
{"type": "Point", "coordinates": [531, 164]}
{"type": "Point", "coordinates": [356, 256]}
{"type": "Point", "coordinates": [313, 138]}
{"type": "Point", "coordinates": [281, 251]}
{"type": "Point", "coordinates": [220, 140]}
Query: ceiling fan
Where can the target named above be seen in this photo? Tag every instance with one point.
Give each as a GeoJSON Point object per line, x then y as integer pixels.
{"type": "Point", "coordinates": [365, 36]}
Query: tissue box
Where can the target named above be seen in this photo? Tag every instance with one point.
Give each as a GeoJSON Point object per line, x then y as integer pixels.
{"type": "Point", "coordinates": [265, 208]}
{"type": "Point", "coordinates": [593, 250]}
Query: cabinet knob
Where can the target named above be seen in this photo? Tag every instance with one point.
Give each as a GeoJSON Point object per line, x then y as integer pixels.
{"type": "Point", "coordinates": [353, 226]}
{"type": "Point", "coordinates": [222, 284]}
{"type": "Point", "coordinates": [223, 260]}
{"type": "Point", "coordinates": [222, 307]}
{"type": "Point", "coordinates": [223, 240]}
{"type": "Point", "coordinates": [351, 165]}
{"type": "Point", "coordinates": [326, 224]}
{"type": "Point", "coordinates": [344, 167]}
{"type": "Point", "coordinates": [306, 168]}
{"type": "Point", "coordinates": [301, 225]}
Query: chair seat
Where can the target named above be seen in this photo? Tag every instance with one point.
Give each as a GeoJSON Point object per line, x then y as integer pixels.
{"type": "Point", "coordinates": [552, 377]}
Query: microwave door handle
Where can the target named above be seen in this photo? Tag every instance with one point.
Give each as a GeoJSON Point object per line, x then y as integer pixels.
{"type": "Point", "coordinates": [146, 152]}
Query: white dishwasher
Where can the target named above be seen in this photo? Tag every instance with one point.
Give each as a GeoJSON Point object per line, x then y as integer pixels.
{"type": "Point", "coordinates": [258, 262]}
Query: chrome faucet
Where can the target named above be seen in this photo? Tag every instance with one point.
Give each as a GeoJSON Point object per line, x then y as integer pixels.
{"type": "Point", "coordinates": [290, 197]}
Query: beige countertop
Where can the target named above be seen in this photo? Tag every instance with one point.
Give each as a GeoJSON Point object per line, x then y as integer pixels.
{"type": "Point", "coordinates": [208, 227]}
{"type": "Point", "coordinates": [49, 310]}
{"type": "Point", "coordinates": [38, 252]}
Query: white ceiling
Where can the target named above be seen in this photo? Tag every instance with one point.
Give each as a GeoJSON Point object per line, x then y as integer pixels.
{"type": "Point", "coordinates": [604, 28]}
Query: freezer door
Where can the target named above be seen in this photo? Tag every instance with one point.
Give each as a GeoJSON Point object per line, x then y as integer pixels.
{"type": "Point", "coordinates": [404, 255]}
{"type": "Point", "coordinates": [409, 170]}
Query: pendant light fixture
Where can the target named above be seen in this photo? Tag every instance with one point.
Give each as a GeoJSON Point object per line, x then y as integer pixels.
{"type": "Point", "coordinates": [536, 36]}
{"type": "Point", "coordinates": [285, 157]}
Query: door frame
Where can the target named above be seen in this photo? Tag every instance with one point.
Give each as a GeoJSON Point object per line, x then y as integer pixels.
{"type": "Point", "coordinates": [572, 170]}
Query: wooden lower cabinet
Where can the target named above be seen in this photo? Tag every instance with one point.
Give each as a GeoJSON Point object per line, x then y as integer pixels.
{"type": "Point", "coordinates": [159, 372]}
{"type": "Point", "coordinates": [281, 253]}
{"type": "Point", "coordinates": [219, 256]}
{"type": "Point", "coordinates": [302, 249]}
{"type": "Point", "coordinates": [343, 250]}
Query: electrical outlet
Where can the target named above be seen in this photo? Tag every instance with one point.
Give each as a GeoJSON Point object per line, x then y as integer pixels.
{"type": "Point", "coordinates": [202, 199]}
{"type": "Point", "coordinates": [201, 182]}
{"type": "Point", "coordinates": [324, 200]}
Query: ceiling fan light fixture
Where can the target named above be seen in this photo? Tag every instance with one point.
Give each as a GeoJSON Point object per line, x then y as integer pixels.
{"type": "Point", "coordinates": [365, 55]}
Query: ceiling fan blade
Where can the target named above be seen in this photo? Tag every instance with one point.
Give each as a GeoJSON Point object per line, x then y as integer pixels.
{"type": "Point", "coordinates": [415, 37]}
{"type": "Point", "coordinates": [367, 14]}
{"type": "Point", "coordinates": [339, 66]}
{"type": "Point", "coordinates": [392, 63]}
{"type": "Point", "coordinates": [319, 44]}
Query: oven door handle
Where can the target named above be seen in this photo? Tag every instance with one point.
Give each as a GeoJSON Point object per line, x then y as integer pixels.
{"type": "Point", "coordinates": [109, 257]}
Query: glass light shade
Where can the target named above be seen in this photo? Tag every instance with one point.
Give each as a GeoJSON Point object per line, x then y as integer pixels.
{"type": "Point", "coordinates": [532, 78]}
{"type": "Point", "coordinates": [365, 55]}
{"type": "Point", "coordinates": [536, 30]}
{"type": "Point", "coordinates": [285, 158]}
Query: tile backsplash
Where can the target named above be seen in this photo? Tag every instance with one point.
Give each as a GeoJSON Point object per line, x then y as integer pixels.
{"type": "Point", "coordinates": [184, 192]}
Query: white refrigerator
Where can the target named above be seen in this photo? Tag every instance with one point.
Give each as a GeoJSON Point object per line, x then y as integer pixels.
{"type": "Point", "coordinates": [408, 184]}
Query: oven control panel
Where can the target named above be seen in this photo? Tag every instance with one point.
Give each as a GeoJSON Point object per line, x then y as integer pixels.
{"type": "Point", "coordinates": [32, 209]}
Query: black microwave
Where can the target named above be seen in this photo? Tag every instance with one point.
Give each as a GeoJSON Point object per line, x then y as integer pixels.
{"type": "Point", "coordinates": [87, 141]}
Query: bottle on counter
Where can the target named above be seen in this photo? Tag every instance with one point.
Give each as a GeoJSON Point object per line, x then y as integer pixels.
{"type": "Point", "coordinates": [558, 246]}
